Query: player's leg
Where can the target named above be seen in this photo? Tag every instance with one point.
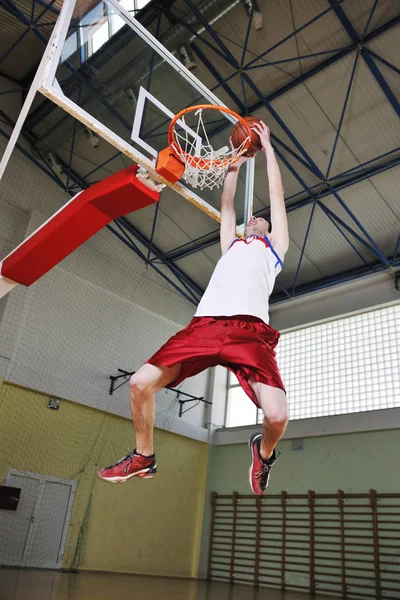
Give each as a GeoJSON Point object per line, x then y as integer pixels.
{"type": "Point", "coordinates": [249, 352]}
{"type": "Point", "coordinates": [148, 380]}
{"type": "Point", "coordinates": [272, 401]}
{"type": "Point", "coordinates": [185, 354]}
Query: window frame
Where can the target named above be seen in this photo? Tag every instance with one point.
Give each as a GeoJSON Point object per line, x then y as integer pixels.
{"type": "Point", "coordinates": [362, 407]}
{"type": "Point", "coordinates": [84, 31]}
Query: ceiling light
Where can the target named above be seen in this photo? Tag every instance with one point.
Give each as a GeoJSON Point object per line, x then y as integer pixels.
{"type": "Point", "coordinates": [53, 163]}
{"type": "Point", "coordinates": [132, 96]}
{"type": "Point", "coordinates": [257, 14]}
{"type": "Point", "coordinates": [91, 137]}
{"type": "Point", "coordinates": [186, 57]}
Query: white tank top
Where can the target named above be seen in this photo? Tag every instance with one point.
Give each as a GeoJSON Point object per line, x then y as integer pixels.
{"type": "Point", "coordinates": [242, 281]}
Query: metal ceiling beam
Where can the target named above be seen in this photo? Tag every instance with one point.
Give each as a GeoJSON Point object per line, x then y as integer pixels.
{"type": "Point", "coordinates": [224, 49]}
{"type": "Point", "coordinates": [335, 279]}
{"type": "Point", "coordinates": [371, 248]}
{"type": "Point", "coordinates": [303, 248]}
{"type": "Point", "coordinates": [177, 271]}
{"type": "Point", "coordinates": [129, 242]}
{"type": "Point", "coordinates": [346, 237]}
{"type": "Point", "coordinates": [49, 7]}
{"type": "Point", "coordinates": [14, 45]}
{"type": "Point", "coordinates": [291, 35]}
{"type": "Point", "coordinates": [16, 91]}
{"type": "Point", "coordinates": [11, 79]}
{"type": "Point", "coordinates": [381, 81]}
{"type": "Point", "coordinates": [246, 39]}
{"type": "Point", "coordinates": [131, 234]}
{"type": "Point", "coordinates": [384, 61]}
{"type": "Point", "coordinates": [396, 249]}
{"type": "Point", "coordinates": [246, 78]}
{"type": "Point", "coordinates": [327, 63]}
{"type": "Point", "coordinates": [361, 168]}
{"type": "Point", "coordinates": [103, 164]}
{"type": "Point", "coordinates": [353, 35]}
{"type": "Point", "coordinates": [339, 127]}
{"type": "Point", "coordinates": [210, 67]}
{"type": "Point", "coordinates": [31, 158]}
{"type": "Point", "coordinates": [365, 173]}
{"type": "Point", "coordinates": [267, 104]}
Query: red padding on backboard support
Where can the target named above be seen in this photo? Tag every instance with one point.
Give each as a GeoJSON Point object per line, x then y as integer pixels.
{"type": "Point", "coordinates": [83, 216]}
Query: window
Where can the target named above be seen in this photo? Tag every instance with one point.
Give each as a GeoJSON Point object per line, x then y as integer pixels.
{"type": "Point", "coordinates": [94, 29]}
{"type": "Point", "coordinates": [131, 6]}
{"type": "Point", "coordinates": [240, 409]}
{"type": "Point", "coordinates": [97, 27]}
{"type": "Point", "coordinates": [344, 366]}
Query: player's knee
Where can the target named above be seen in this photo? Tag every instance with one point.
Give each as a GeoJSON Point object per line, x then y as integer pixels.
{"type": "Point", "coordinates": [277, 419]}
{"type": "Point", "coordinates": [138, 384]}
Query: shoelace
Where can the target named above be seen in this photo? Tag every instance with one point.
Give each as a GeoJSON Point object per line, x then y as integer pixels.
{"type": "Point", "coordinates": [266, 467]}
{"type": "Point", "coordinates": [130, 457]}
{"type": "Point", "coordinates": [263, 472]}
{"type": "Point", "coordinates": [123, 459]}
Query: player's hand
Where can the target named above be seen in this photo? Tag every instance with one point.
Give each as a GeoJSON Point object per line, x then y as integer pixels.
{"type": "Point", "coordinates": [262, 130]}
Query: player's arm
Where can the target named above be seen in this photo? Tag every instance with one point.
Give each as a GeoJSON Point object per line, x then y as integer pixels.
{"type": "Point", "coordinates": [228, 213]}
{"type": "Point", "coordinates": [279, 223]}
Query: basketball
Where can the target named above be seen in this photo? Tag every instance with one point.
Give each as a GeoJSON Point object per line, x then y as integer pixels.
{"type": "Point", "coordinates": [239, 134]}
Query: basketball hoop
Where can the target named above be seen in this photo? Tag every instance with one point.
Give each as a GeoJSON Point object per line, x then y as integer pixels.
{"type": "Point", "coordinates": [191, 155]}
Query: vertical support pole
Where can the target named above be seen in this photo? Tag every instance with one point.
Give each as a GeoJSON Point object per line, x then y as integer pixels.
{"type": "Point", "coordinates": [342, 543]}
{"type": "Point", "coordinates": [214, 497]}
{"type": "Point", "coordinates": [235, 501]}
{"type": "Point", "coordinates": [249, 191]}
{"type": "Point", "coordinates": [153, 230]}
{"type": "Point", "coordinates": [311, 505]}
{"type": "Point", "coordinates": [258, 540]}
{"type": "Point", "coordinates": [375, 533]}
{"type": "Point", "coordinates": [283, 556]}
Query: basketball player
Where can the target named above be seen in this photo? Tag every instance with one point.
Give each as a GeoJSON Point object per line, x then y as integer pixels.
{"type": "Point", "coordinates": [230, 328]}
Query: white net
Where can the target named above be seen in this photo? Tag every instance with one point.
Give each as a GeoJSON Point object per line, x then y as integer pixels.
{"type": "Point", "coordinates": [206, 166]}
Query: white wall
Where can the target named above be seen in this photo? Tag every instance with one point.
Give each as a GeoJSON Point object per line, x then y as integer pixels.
{"type": "Point", "coordinates": [363, 293]}
{"type": "Point", "coordinates": [99, 310]}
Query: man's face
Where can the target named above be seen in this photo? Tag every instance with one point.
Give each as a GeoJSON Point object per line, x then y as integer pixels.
{"type": "Point", "coordinates": [257, 226]}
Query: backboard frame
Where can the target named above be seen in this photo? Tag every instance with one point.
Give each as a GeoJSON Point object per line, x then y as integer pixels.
{"type": "Point", "coordinates": [46, 83]}
{"type": "Point", "coordinates": [143, 97]}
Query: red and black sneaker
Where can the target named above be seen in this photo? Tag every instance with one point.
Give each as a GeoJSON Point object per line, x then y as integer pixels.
{"type": "Point", "coordinates": [129, 466]}
{"type": "Point", "coordinates": [260, 469]}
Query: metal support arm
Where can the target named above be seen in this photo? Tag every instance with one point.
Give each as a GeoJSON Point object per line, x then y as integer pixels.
{"type": "Point", "coordinates": [189, 397]}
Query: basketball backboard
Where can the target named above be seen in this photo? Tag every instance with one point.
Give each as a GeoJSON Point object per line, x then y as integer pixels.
{"type": "Point", "coordinates": [128, 99]}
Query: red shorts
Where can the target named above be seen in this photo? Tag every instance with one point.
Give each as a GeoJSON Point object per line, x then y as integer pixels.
{"type": "Point", "coordinates": [243, 344]}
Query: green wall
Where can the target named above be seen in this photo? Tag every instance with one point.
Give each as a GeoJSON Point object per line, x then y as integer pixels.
{"type": "Point", "coordinates": [144, 526]}
{"type": "Point", "coordinates": [353, 462]}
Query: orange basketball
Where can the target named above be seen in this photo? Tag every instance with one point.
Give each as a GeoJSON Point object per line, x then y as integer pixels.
{"type": "Point", "coordinates": [239, 134]}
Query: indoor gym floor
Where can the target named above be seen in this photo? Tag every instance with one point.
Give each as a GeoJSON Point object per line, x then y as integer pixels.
{"type": "Point", "coordinates": [18, 584]}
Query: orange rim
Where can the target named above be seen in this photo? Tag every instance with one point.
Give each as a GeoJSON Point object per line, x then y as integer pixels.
{"type": "Point", "coordinates": [203, 163]}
